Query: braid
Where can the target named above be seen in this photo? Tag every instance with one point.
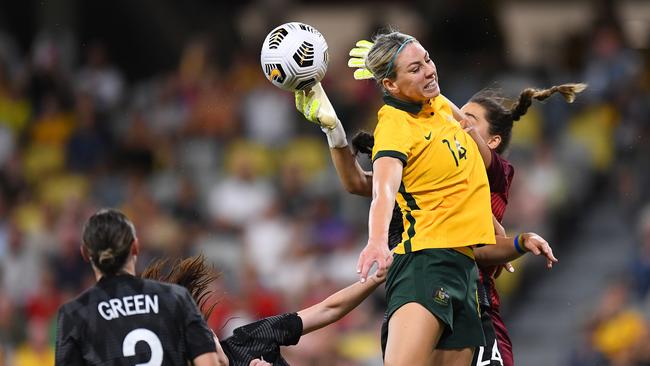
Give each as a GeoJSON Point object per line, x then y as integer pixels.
{"type": "Point", "coordinates": [569, 91]}
{"type": "Point", "coordinates": [501, 119]}
{"type": "Point", "coordinates": [526, 97]}
{"type": "Point", "coordinates": [521, 107]}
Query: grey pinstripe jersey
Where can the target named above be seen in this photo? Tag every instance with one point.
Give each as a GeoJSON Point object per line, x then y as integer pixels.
{"type": "Point", "coordinates": [262, 339]}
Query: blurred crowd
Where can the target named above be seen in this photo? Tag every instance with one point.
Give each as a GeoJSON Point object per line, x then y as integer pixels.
{"type": "Point", "coordinates": [213, 159]}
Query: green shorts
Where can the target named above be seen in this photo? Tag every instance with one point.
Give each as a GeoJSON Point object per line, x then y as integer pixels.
{"type": "Point", "coordinates": [444, 282]}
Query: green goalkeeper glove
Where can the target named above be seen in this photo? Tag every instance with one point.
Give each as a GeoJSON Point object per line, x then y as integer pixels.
{"type": "Point", "coordinates": [358, 60]}
{"type": "Point", "coordinates": [316, 108]}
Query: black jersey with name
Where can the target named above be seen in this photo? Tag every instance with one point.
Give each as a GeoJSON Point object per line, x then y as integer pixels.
{"type": "Point", "coordinates": [125, 320]}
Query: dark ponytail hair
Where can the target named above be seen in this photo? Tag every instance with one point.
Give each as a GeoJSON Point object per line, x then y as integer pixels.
{"type": "Point", "coordinates": [498, 116]}
{"type": "Point", "coordinates": [363, 142]}
{"type": "Point", "coordinates": [501, 119]}
{"type": "Point", "coordinates": [192, 273]}
{"type": "Point", "coordinates": [108, 236]}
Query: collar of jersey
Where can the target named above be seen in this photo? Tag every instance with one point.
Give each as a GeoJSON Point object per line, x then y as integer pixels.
{"type": "Point", "coordinates": [413, 108]}
{"type": "Point", "coordinates": [111, 277]}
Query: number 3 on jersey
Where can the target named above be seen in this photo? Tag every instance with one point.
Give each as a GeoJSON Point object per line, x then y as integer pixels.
{"type": "Point", "coordinates": [147, 336]}
{"type": "Point", "coordinates": [462, 152]}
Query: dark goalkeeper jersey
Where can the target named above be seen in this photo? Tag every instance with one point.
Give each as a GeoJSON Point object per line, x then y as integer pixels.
{"type": "Point", "coordinates": [262, 339]}
{"type": "Point", "coordinates": [125, 320]}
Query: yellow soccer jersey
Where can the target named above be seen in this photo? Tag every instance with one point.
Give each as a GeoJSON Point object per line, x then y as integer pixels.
{"type": "Point", "coordinates": [444, 194]}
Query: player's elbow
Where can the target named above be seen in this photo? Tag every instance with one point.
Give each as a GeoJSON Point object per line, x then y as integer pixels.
{"type": "Point", "coordinates": [484, 257]}
{"type": "Point", "coordinates": [492, 255]}
{"type": "Point", "coordinates": [354, 188]}
{"type": "Point", "coordinates": [317, 317]}
{"type": "Point", "coordinates": [222, 361]}
{"type": "Point", "coordinates": [211, 359]}
{"type": "Point", "coordinates": [331, 312]}
{"type": "Point", "coordinates": [357, 186]}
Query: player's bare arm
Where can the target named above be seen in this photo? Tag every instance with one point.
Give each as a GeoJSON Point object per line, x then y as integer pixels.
{"type": "Point", "coordinates": [316, 108]}
{"type": "Point", "coordinates": [210, 359]}
{"type": "Point", "coordinates": [386, 180]}
{"type": "Point", "coordinates": [510, 248]}
{"type": "Point", "coordinates": [338, 305]}
{"type": "Point", "coordinates": [355, 180]}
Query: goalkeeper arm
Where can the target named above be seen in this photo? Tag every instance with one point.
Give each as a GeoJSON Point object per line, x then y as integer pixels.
{"type": "Point", "coordinates": [316, 108]}
{"type": "Point", "coordinates": [354, 179]}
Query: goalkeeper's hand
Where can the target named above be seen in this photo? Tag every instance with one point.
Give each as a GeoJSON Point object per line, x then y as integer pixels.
{"type": "Point", "coordinates": [316, 107]}
{"type": "Point", "coordinates": [357, 60]}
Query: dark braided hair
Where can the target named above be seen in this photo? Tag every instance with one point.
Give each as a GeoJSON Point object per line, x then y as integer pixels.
{"type": "Point", "coordinates": [501, 119]}
{"type": "Point", "coordinates": [498, 116]}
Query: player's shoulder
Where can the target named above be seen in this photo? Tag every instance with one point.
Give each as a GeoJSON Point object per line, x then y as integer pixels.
{"type": "Point", "coordinates": [503, 165]}
{"type": "Point", "coordinates": [392, 120]}
{"type": "Point", "coordinates": [77, 304]}
{"type": "Point", "coordinates": [444, 108]}
{"type": "Point", "coordinates": [441, 101]}
{"type": "Point", "coordinates": [285, 329]}
{"type": "Point", "coordinates": [505, 162]}
{"type": "Point", "coordinates": [284, 318]}
{"type": "Point", "coordinates": [509, 170]}
{"type": "Point", "coordinates": [388, 112]}
{"type": "Point", "coordinates": [275, 322]}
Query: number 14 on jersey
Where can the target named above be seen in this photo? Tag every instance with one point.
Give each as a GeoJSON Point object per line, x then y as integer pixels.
{"type": "Point", "coordinates": [460, 153]}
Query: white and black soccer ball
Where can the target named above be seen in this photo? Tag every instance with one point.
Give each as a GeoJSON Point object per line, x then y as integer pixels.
{"type": "Point", "coordinates": [294, 56]}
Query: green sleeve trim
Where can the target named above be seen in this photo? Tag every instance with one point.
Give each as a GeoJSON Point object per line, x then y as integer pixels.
{"type": "Point", "coordinates": [391, 153]}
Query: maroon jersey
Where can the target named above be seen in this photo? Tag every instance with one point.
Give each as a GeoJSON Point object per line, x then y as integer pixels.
{"type": "Point", "coordinates": [498, 350]}
{"type": "Point", "coordinates": [500, 174]}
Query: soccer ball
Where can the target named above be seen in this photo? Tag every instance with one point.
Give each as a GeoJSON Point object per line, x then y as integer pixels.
{"type": "Point", "coordinates": [294, 56]}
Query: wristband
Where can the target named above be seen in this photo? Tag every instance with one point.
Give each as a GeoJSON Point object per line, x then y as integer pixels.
{"type": "Point", "coordinates": [336, 136]}
{"type": "Point", "coordinates": [517, 247]}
